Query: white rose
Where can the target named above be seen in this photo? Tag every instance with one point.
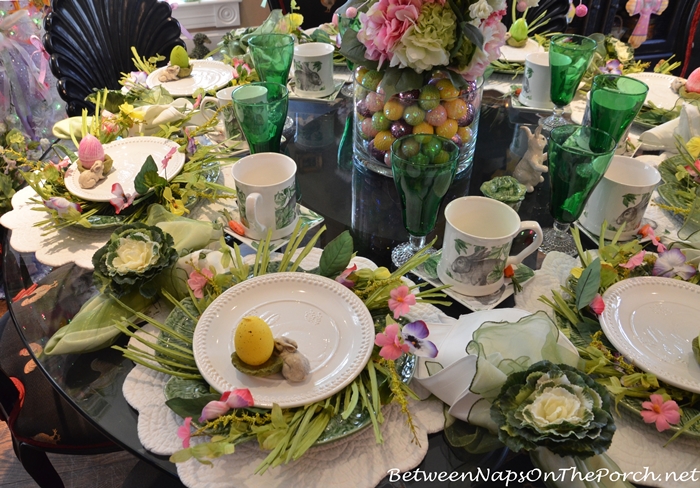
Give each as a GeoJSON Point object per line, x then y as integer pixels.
{"type": "Point", "coordinates": [555, 406]}
{"type": "Point", "coordinates": [135, 256]}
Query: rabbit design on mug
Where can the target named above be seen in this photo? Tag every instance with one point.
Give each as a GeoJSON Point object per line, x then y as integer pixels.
{"type": "Point", "coordinates": [633, 215]}
{"type": "Point", "coordinates": [476, 268]}
{"type": "Point", "coordinates": [530, 168]}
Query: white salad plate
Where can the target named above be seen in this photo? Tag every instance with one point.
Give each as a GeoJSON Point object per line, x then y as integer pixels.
{"type": "Point", "coordinates": [128, 156]}
{"type": "Point", "coordinates": [652, 322]}
{"type": "Point", "coordinates": [330, 324]}
{"type": "Point", "coordinates": [660, 92]}
{"type": "Point", "coordinates": [518, 54]}
{"type": "Point", "coordinates": [208, 75]}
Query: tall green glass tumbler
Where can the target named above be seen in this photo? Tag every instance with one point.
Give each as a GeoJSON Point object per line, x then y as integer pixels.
{"type": "Point", "coordinates": [615, 102]}
{"type": "Point", "coordinates": [578, 159]}
{"type": "Point", "coordinates": [272, 56]}
{"type": "Point", "coordinates": [423, 168]}
{"type": "Point", "coordinates": [261, 110]}
{"type": "Point", "coordinates": [569, 57]}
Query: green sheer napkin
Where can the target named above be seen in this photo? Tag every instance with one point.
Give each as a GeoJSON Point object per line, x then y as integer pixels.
{"type": "Point", "coordinates": [91, 329]}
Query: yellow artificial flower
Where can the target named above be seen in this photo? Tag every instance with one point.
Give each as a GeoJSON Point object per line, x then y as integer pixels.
{"type": "Point", "coordinates": [128, 110]}
{"type": "Point", "coordinates": [576, 272]}
{"type": "Point", "coordinates": [693, 147]}
{"type": "Point", "coordinates": [175, 205]}
{"type": "Point", "coordinates": [295, 21]}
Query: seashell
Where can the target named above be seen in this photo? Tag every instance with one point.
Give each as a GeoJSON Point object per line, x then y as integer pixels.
{"type": "Point", "coordinates": [90, 150]}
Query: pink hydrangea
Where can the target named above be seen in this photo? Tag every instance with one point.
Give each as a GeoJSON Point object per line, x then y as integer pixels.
{"type": "Point", "coordinates": [494, 37]}
{"type": "Point", "coordinates": [383, 26]}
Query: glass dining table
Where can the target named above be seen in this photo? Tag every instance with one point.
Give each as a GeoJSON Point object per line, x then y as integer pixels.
{"type": "Point", "coordinates": [349, 197]}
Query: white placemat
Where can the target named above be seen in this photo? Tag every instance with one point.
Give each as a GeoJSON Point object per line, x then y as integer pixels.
{"type": "Point", "coordinates": [636, 446]}
{"type": "Point", "coordinates": [353, 462]}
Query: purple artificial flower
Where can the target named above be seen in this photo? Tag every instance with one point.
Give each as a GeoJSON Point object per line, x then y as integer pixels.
{"type": "Point", "coordinates": [673, 263]}
{"type": "Point", "coordinates": [342, 278]}
{"type": "Point", "coordinates": [413, 335]}
{"type": "Point", "coordinates": [612, 67]}
{"type": "Point", "coordinates": [62, 206]}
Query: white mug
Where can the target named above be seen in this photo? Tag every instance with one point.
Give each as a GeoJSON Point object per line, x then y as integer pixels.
{"type": "Point", "coordinates": [621, 197]}
{"type": "Point", "coordinates": [478, 235]}
{"type": "Point", "coordinates": [223, 99]}
{"type": "Point", "coordinates": [313, 69]}
{"type": "Point", "coordinates": [267, 198]}
{"type": "Point", "coordinates": [536, 81]}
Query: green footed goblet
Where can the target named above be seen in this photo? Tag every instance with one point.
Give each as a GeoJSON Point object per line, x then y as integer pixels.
{"type": "Point", "coordinates": [578, 159]}
{"type": "Point", "coordinates": [423, 168]}
{"type": "Point", "coordinates": [569, 57]}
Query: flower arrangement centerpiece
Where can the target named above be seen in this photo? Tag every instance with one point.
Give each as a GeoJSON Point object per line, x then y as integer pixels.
{"type": "Point", "coordinates": [420, 66]}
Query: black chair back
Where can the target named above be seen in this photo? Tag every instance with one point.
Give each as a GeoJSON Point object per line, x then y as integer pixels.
{"type": "Point", "coordinates": [90, 43]}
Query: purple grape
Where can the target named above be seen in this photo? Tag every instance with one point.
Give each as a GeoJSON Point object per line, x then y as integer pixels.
{"type": "Point", "coordinates": [457, 140]}
{"type": "Point", "coordinates": [400, 128]}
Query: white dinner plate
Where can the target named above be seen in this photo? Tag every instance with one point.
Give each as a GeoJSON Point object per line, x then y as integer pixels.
{"type": "Point", "coordinates": [330, 324]}
{"type": "Point", "coordinates": [518, 54]}
{"type": "Point", "coordinates": [128, 156]}
{"type": "Point", "coordinates": [652, 321]}
{"type": "Point", "coordinates": [660, 92]}
{"type": "Point", "coordinates": [208, 75]}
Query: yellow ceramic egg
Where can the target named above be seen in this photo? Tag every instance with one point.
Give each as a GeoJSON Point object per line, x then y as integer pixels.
{"type": "Point", "coordinates": [253, 341]}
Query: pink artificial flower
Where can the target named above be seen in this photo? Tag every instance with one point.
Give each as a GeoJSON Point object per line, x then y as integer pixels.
{"type": "Point", "coordinates": [334, 20]}
{"type": "Point", "coordinates": [197, 102]}
{"type": "Point", "coordinates": [401, 301]}
{"type": "Point", "coordinates": [663, 413]}
{"type": "Point", "coordinates": [238, 398]}
{"type": "Point", "coordinates": [62, 206]}
{"type": "Point", "coordinates": [390, 342]}
{"type": "Point", "coordinates": [694, 170]}
{"type": "Point", "coordinates": [342, 278]}
{"type": "Point", "coordinates": [648, 235]}
{"type": "Point", "coordinates": [109, 122]}
{"type": "Point", "coordinates": [121, 200]}
{"type": "Point", "coordinates": [184, 433]}
{"type": "Point", "coordinates": [62, 164]}
{"type": "Point", "coordinates": [635, 260]}
{"type": "Point", "coordinates": [494, 33]}
{"type": "Point", "coordinates": [198, 280]}
{"type": "Point", "coordinates": [168, 156]}
{"type": "Point", "coordinates": [383, 26]}
{"type": "Point", "coordinates": [597, 304]}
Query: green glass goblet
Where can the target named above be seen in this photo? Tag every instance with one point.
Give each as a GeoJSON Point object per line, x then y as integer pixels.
{"type": "Point", "coordinates": [272, 56]}
{"type": "Point", "coordinates": [578, 159]}
{"type": "Point", "coordinates": [423, 169]}
{"type": "Point", "coordinates": [261, 110]}
{"type": "Point", "coordinates": [569, 57]}
{"type": "Point", "coordinates": [615, 102]}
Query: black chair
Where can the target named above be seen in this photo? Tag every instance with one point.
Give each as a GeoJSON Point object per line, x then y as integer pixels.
{"type": "Point", "coordinates": [38, 417]}
{"type": "Point", "coordinates": [90, 43]}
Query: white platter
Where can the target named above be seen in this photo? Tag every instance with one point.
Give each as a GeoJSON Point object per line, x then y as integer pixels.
{"type": "Point", "coordinates": [652, 321]}
{"type": "Point", "coordinates": [208, 75]}
{"type": "Point", "coordinates": [660, 92]}
{"type": "Point", "coordinates": [518, 54]}
{"type": "Point", "coordinates": [128, 155]}
{"type": "Point", "coordinates": [331, 325]}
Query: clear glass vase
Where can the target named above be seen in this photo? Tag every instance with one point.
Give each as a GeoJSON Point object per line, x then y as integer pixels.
{"type": "Point", "coordinates": [436, 108]}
